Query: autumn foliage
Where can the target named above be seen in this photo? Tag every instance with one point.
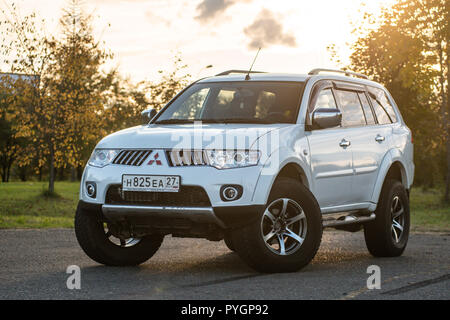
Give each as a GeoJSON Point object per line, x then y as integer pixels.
{"type": "Point", "coordinates": [57, 101]}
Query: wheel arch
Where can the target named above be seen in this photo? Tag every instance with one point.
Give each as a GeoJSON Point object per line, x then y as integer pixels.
{"type": "Point", "coordinates": [293, 170]}
{"type": "Point", "coordinates": [290, 167]}
{"type": "Point", "coordinates": [392, 167]}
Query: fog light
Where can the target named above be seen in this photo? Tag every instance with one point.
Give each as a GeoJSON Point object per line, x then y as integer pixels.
{"type": "Point", "coordinates": [91, 189]}
{"type": "Point", "coordinates": [230, 192]}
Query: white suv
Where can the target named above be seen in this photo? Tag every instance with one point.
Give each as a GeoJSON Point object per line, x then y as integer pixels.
{"type": "Point", "coordinates": [264, 161]}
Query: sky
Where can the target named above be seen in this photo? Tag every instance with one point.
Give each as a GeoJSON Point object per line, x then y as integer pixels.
{"type": "Point", "coordinates": [145, 35]}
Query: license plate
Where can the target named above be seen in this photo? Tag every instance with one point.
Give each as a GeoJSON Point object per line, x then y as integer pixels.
{"type": "Point", "coordinates": [131, 182]}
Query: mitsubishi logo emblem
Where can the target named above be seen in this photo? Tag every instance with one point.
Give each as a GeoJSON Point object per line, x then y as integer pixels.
{"type": "Point", "coordinates": [155, 159]}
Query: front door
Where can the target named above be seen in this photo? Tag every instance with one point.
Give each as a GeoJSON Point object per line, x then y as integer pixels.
{"type": "Point", "coordinates": [331, 159]}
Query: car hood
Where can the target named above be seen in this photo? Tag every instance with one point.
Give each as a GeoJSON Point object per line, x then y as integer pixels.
{"type": "Point", "coordinates": [188, 136]}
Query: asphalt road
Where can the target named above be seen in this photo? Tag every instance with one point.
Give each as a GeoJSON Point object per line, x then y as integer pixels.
{"type": "Point", "coordinates": [33, 266]}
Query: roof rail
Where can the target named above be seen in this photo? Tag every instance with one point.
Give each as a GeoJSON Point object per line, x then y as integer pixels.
{"type": "Point", "coordinates": [237, 71]}
{"type": "Point", "coordinates": [347, 73]}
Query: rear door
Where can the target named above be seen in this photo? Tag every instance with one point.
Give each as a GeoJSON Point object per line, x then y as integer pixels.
{"type": "Point", "coordinates": [369, 141]}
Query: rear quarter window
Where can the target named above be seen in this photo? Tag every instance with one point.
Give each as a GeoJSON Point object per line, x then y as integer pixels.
{"type": "Point", "coordinates": [382, 106]}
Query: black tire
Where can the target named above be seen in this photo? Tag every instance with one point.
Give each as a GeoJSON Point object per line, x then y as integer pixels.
{"type": "Point", "coordinates": [379, 234]}
{"type": "Point", "coordinates": [94, 242]}
{"type": "Point", "coordinates": [252, 248]}
{"type": "Point", "coordinates": [229, 241]}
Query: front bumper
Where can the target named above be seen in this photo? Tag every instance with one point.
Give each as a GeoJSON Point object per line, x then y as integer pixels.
{"type": "Point", "coordinates": [224, 214]}
{"type": "Point", "coordinates": [222, 217]}
{"type": "Point", "coordinates": [208, 178]}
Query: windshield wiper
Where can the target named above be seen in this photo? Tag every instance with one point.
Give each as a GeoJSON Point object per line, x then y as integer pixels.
{"type": "Point", "coordinates": [174, 121]}
{"type": "Point", "coordinates": [226, 120]}
{"type": "Point", "coordinates": [235, 120]}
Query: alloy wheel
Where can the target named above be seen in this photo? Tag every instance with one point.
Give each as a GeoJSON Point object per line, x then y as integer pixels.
{"type": "Point", "coordinates": [398, 219]}
{"type": "Point", "coordinates": [124, 243]}
{"type": "Point", "coordinates": [283, 226]}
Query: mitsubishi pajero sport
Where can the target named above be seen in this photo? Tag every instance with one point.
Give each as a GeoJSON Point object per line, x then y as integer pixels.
{"type": "Point", "coordinates": [264, 161]}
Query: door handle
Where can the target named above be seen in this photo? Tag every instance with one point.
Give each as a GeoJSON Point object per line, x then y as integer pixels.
{"type": "Point", "coordinates": [379, 138]}
{"type": "Point", "coordinates": [344, 143]}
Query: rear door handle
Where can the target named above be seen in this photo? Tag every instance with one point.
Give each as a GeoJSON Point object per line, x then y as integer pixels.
{"type": "Point", "coordinates": [344, 143]}
{"type": "Point", "coordinates": [379, 138]}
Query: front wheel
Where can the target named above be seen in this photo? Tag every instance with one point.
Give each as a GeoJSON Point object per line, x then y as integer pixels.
{"type": "Point", "coordinates": [286, 235]}
{"type": "Point", "coordinates": [387, 235]}
{"type": "Point", "coordinates": [103, 247]}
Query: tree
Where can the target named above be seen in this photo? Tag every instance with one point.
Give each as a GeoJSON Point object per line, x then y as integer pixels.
{"type": "Point", "coordinates": [64, 106]}
{"type": "Point", "coordinates": [408, 53]}
{"type": "Point", "coordinates": [125, 101]}
{"type": "Point", "coordinates": [169, 85]}
{"type": "Point", "coordinates": [13, 88]}
{"type": "Point", "coordinates": [26, 50]}
{"type": "Point", "coordinates": [76, 89]}
{"type": "Point", "coordinates": [58, 117]}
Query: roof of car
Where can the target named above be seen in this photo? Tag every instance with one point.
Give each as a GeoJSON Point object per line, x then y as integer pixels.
{"type": "Point", "coordinates": [288, 77]}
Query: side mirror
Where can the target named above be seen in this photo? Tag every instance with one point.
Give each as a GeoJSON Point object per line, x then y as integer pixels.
{"type": "Point", "coordinates": [148, 115]}
{"type": "Point", "coordinates": [326, 118]}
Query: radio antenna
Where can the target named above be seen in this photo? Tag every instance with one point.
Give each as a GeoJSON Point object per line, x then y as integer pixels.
{"type": "Point", "coordinates": [247, 77]}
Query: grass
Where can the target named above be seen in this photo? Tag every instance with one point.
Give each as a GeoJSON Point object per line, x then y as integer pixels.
{"type": "Point", "coordinates": [428, 211]}
{"type": "Point", "coordinates": [26, 205]}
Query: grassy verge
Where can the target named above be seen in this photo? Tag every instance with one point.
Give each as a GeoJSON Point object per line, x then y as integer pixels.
{"type": "Point", "coordinates": [428, 212]}
{"type": "Point", "coordinates": [24, 205]}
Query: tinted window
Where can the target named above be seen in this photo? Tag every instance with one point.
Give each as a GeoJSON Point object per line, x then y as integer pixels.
{"type": "Point", "coordinates": [325, 100]}
{"type": "Point", "coordinates": [382, 100]}
{"type": "Point", "coordinates": [381, 114]}
{"type": "Point", "coordinates": [191, 107]}
{"type": "Point", "coordinates": [367, 109]}
{"type": "Point", "coordinates": [352, 113]}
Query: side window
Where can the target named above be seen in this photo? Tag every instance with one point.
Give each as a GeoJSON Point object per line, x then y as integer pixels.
{"type": "Point", "coordinates": [381, 114]}
{"type": "Point", "coordinates": [366, 107]}
{"type": "Point", "coordinates": [352, 112]}
{"type": "Point", "coordinates": [380, 99]}
{"type": "Point", "coordinates": [325, 100]}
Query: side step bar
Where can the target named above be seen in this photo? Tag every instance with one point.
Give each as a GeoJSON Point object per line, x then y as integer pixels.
{"type": "Point", "coordinates": [345, 220]}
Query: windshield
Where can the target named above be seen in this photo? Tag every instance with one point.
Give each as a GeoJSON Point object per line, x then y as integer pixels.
{"type": "Point", "coordinates": [235, 102]}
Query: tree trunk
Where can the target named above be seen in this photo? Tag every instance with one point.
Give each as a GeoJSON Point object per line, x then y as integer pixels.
{"type": "Point", "coordinates": [51, 174]}
{"type": "Point", "coordinates": [73, 174]}
{"type": "Point", "coordinates": [446, 98]}
{"type": "Point", "coordinates": [8, 172]}
{"type": "Point", "coordinates": [447, 182]}
{"type": "Point", "coordinates": [3, 172]}
{"type": "Point", "coordinates": [444, 115]}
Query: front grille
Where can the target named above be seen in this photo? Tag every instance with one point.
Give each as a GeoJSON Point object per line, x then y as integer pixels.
{"type": "Point", "coordinates": [187, 196]}
{"type": "Point", "coordinates": [131, 157]}
{"type": "Point", "coordinates": [186, 158]}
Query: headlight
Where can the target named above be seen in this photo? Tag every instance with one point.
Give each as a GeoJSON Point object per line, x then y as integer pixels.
{"type": "Point", "coordinates": [102, 157]}
{"type": "Point", "coordinates": [225, 159]}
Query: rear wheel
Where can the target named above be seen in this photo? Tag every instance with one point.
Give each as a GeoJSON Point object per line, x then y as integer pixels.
{"type": "Point", "coordinates": [99, 243]}
{"type": "Point", "coordinates": [387, 235]}
{"type": "Point", "coordinates": [286, 235]}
